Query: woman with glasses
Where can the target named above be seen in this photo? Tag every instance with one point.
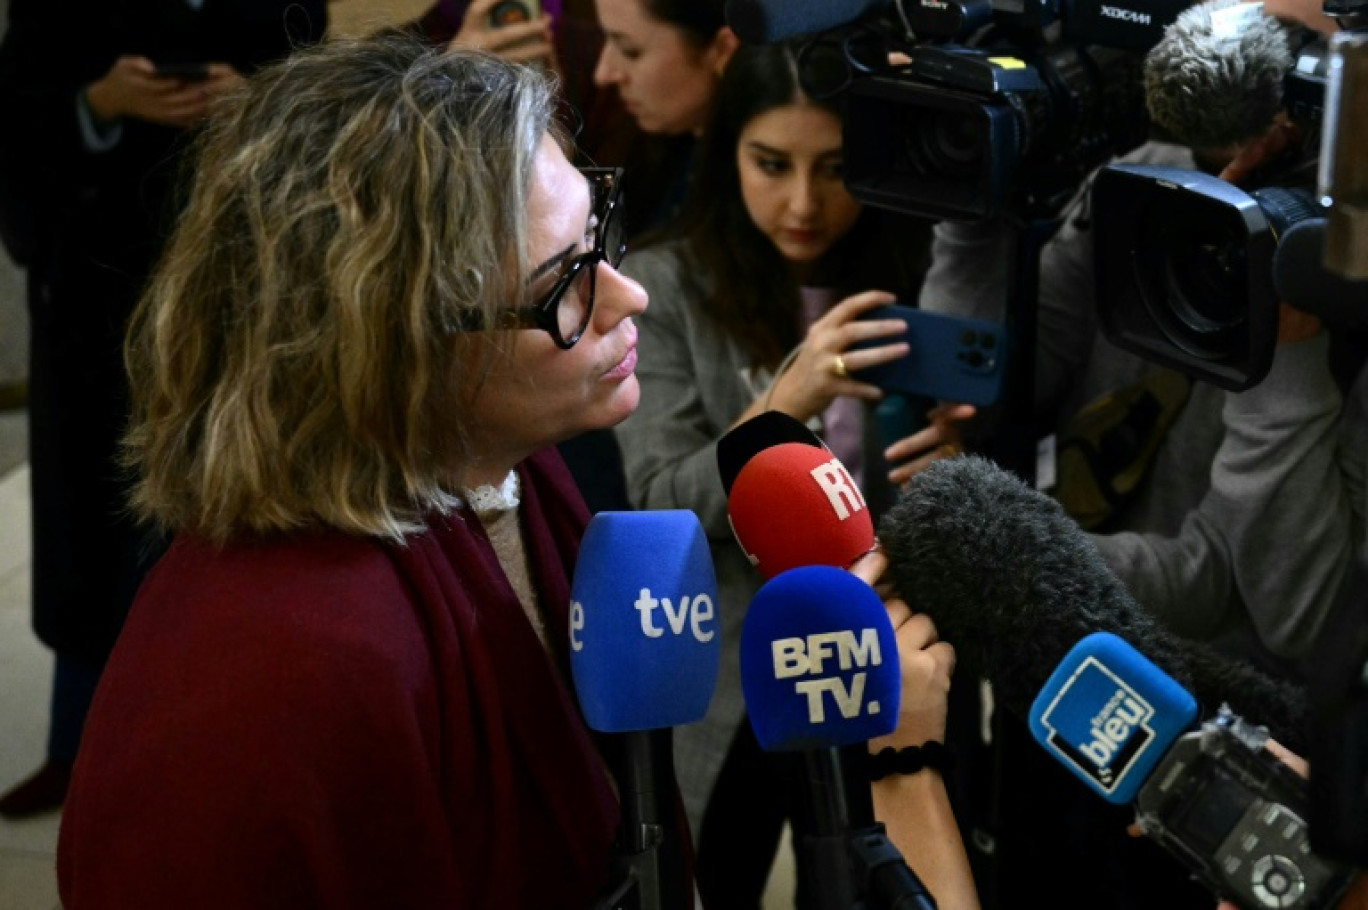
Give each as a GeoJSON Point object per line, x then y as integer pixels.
{"type": "Point", "coordinates": [345, 685]}
{"type": "Point", "coordinates": [770, 251]}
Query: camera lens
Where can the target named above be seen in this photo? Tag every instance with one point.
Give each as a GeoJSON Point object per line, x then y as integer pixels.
{"type": "Point", "coordinates": [823, 70]}
{"type": "Point", "coordinates": [1195, 278]}
{"type": "Point", "coordinates": [1207, 284]}
{"type": "Point", "coordinates": [949, 143]}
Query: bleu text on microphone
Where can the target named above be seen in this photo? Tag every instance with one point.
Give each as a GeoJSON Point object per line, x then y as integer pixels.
{"type": "Point", "coordinates": [1213, 796]}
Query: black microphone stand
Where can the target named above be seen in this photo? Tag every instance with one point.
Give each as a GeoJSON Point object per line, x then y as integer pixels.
{"type": "Point", "coordinates": [648, 873]}
{"type": "Point", "coordinates": [844, 865]}
{"type": "Point", "coordinates": [1014, 442]}
{"type": "Point", "coordinates": [980, 808]}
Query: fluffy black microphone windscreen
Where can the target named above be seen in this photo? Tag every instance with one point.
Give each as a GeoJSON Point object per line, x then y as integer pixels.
{"type": "Point", "coordinates": [1013, 583]}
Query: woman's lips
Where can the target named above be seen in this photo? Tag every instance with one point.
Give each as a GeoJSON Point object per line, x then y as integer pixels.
{"type": "Point", "coordinates": [802, 237]}
{"type": "Point", "coordinates": [624, 367]}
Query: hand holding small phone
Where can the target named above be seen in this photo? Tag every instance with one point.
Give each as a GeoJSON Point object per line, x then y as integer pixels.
{"type": "Point", "coordinates": [949, 358]}
{"type": "Point", "coordinates": [185, 72]}
{"type": "Point", "coordinates": [516, 30]}
{"type": "Point", "coordinates": [137, 87]}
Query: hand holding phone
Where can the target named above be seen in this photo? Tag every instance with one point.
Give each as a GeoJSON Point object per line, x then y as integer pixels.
{"type": "Point", "coordinates": [185, 72]}
{"type": "Point", "coordinates": [168, 95]}
{"type": "Point", "coordinates": [950, 358]}
{"type": "Point", "coordinates": [516, 30]}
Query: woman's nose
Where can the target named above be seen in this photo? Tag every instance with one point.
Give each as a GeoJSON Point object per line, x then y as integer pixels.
{"type": "Point", "coordinates": [619, 297]}
{"type": "Point", "coordinates": [605, 72]}
{"type": "Point", "coordinates": [804, 197]}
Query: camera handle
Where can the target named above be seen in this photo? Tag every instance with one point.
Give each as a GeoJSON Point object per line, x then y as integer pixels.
{"type": "Point", "coordinates": [1014, 441]}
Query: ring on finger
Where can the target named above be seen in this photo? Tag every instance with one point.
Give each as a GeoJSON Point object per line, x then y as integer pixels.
{"type": "Point", "coordinates": [838, 367]}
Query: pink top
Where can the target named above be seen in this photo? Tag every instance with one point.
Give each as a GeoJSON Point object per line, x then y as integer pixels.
{"type": "Point", "coordinates": [843, 420]}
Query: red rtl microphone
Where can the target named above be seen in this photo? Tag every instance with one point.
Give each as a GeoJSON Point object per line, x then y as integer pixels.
{"type": "Point", "coordinates": [796, 505]}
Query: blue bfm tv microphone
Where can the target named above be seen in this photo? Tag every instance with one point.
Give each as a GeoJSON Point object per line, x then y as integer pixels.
{"type": "Point", "coordinates": [819, 662]}
{"type": "Point", "coordinates": [819, 671]}
{"type": "Point", "coordinates": [1214, 796]}
{"type": "Point", "coordinates": [644, 651]}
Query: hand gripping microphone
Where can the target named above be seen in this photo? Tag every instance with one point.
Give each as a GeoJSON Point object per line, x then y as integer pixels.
{"type": "Point", "coordinates": [644, 651]}
{"type": "Point", "coordinates": [1014, 583]}
{"type": "Point", "coordinates": [819, 671]}
{"type": "Point", "coordinates": [795, 505]}
{"type": "Point", "coordinates": [1230, 810]}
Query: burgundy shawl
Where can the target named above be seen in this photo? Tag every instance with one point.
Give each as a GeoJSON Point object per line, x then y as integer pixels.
{"type": "Point", "coordinates": [328, 721]}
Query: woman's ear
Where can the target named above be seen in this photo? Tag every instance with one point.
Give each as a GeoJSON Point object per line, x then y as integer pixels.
{"type": "Point", "coordinates": [724, 44]}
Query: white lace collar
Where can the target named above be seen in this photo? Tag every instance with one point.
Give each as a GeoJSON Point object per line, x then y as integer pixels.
{"type": "Point", "coordinates": [489, 498]}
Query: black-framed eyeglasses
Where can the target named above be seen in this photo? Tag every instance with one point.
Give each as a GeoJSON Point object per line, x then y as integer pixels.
{"type": "Point", "coordinates": [565, 310]}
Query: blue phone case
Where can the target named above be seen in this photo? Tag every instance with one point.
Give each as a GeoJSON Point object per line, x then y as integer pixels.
{"type": "Point", "coordinates": [951, 358]}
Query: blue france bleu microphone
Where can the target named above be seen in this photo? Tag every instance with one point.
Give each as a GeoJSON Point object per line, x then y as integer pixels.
{"type": "Point", "coordinates": [819, 672]}
{"type": "Point", "coordinates": [1109, 714]}
{"type": "Point", "coordinates": [1212, 796]}
{"type": "Point", "coordinates": [644, 651]}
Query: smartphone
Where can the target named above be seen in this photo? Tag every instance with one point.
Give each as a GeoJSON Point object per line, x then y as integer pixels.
{"type": "Point", "coordinates": [186, 72]}
{"type": "Point", "coordinates": [511, 12]}
{"type": "Point", "coordinates": [951, 358]}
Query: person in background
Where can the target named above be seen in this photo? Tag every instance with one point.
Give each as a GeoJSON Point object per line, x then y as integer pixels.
{"type": "Point", "coordinates": [664, 58]}
{"type": "Point", "coordinates": [770, 255]}
{"type": "Point", "coordinates": [659, 62]}
{"type": "Point", "coordinates": [1213, 515]}
{"type": "Point", "coordinates": [100, 98]}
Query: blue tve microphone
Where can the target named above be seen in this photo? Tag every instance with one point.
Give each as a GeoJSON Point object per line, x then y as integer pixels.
{"type": "Point", "coordinates": [1109, 714]}
{"type": "Point", "coordinates": [644, 639]}
{"type": "Point", "coordinates": [644, 650]}
{"type": "Point", "coordinates": [1213, 796]}
{"type": "Point", "coordinates": [820, 676]}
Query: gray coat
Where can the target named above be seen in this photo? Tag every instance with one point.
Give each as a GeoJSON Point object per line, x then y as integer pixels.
{"type": "Point", "coordinates": [695, 382]}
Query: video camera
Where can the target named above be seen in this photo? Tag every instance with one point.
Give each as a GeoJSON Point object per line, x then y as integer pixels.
{"type": "Point", "coordinates": [1190, 269]}
{"type": "Point", "coordinates": [1002, 105]}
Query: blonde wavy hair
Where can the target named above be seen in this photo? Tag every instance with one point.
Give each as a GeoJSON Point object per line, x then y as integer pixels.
{"type": "Point", "coordinates": [292, 362]}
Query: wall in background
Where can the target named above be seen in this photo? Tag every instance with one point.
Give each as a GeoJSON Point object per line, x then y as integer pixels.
{"type": "Point", "coordinates": [359, 17]}
{"type": "Point", "coordinates": [13, 311]}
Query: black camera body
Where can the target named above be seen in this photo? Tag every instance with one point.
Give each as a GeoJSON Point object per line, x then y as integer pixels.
{"type": "Point", "coordinates": [1230, 810]}
{"type": "Point", "coordinates": [977, 131]}
{"type": "Point", "coordinates": [1006, 105]}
